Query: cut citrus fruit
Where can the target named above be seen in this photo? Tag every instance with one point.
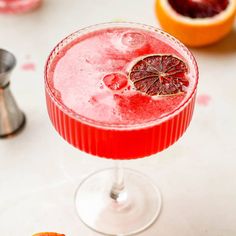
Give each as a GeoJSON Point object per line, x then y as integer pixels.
{"type": "Point", "coordinates": [196, 22]}
{"type": "Point", "coordinates": [159, 74]}
{"type": "Point", "coordinates": [48, 234]}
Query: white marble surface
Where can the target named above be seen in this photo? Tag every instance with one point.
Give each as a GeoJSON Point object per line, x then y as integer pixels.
{"type": "Point", "coordinates": [39, 171]}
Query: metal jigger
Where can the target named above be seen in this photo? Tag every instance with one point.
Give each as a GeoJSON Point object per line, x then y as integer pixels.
{"type": "Point", "coordinates": [12, 119]}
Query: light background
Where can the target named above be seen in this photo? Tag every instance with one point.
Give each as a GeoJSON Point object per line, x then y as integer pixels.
{"type": "Point", "coordinates": [39, 171]}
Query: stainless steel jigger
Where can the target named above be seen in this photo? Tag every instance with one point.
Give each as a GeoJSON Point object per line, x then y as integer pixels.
{"type": "Point", "coordinates": [12, 119]}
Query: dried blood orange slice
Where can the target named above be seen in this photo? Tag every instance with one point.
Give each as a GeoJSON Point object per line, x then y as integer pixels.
{"type": "Point", "coordinates": [196, 22]}
{"type": "Point", "coordinates": [159, 74]}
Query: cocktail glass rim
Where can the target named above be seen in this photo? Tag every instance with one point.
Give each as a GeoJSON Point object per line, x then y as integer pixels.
{"type": "Point", "coordinates": [75, 35]}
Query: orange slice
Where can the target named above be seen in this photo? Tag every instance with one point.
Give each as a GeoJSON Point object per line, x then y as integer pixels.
{"type": "Point", "coordinates": [196, 22]}
{"type": "Point", "coordinates": [48, 234]}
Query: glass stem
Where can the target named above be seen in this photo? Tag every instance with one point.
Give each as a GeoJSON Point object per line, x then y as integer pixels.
{"type": "Point", "coordinates": [118, 189]}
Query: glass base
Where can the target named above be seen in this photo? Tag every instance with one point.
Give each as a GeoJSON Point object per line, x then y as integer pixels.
{"type": "Point", "coordinates": [134, 211]}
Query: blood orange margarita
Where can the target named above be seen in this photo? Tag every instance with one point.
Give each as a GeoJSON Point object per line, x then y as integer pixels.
{"type": "Point", "coordinates": [121, 91]}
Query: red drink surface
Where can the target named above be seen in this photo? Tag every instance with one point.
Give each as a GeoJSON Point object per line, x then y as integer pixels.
{"type": "Point", "coordinates": [109, 121]}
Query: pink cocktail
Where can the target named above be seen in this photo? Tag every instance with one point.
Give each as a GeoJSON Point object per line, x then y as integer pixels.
{"type": "Point", "coordinates": [120, 91]}
{"type": "Point", "coordinates": [18, 6]}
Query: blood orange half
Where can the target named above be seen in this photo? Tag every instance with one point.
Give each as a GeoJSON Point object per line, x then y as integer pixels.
{"type": "Point", "coordinates": [196, 22]}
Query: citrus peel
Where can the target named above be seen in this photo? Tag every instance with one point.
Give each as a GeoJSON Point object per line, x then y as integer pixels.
{"type": "Point", "coordinates": [48, 234]}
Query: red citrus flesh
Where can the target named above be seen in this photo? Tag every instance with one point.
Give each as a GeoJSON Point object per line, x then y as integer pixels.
{"type": "Point", "coordinates": [199, 8]}
{"type": "Point", "coordinates": [159, 75]}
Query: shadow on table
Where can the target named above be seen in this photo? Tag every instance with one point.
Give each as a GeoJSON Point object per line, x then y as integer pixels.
{"type": "Point", "coordinates": [226, 46]}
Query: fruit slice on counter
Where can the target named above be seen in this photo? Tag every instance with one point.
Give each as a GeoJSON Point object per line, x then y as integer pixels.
{"type": "Point", "coordinates": [48, 234]}
{"type": "Point", "coordinates": [196, 22]}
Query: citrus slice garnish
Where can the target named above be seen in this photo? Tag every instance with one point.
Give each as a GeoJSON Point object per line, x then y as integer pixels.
{"type": "Point", "coordinates": [196, 22]}
{"type": "Point", "coordinates": [159, 74]}
{"type": "Point", "coordinates": [48, 234]}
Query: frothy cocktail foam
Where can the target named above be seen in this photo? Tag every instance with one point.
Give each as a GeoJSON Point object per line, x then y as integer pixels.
{"type": "Point", "coordinates": [77, 79]}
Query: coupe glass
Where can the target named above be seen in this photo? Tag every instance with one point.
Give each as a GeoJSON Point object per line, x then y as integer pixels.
{"type": "Point", "coordinates": [118, 201]}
